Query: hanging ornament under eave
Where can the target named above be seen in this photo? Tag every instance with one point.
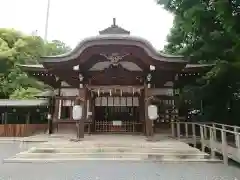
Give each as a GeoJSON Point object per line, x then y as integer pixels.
{"type": "Point", "coordinates": [98, 92]}
{"type": "Point", "coordinates": [139, 91]}
{"type": "Point", "coordinates": [110, 92]}
{"type": "Point", "coordinates": [133, 91]}
{"type": "Point", "coordinates": [121, 92]}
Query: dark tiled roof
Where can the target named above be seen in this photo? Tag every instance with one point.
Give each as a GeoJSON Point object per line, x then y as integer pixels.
{"type": "Point", "coordinates": [15, 102]}
{"type": "Point", "coordinates": [46, 94]}
{"type": "Point", "coordinates": [199, 65]}
{"type": "Point", "coordinates": [32, 67]}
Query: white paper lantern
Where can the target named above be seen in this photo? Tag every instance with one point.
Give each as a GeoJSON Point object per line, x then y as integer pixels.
{"type": "Point", "coordinates": [152, 112]}
{"type": "Point", "coordinates": [77, 112]}
{"type": "Point", "coordinates": [49, 116]}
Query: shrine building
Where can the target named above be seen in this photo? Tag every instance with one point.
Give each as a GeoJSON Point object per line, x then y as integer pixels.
{"type": "Point", "coordinates": [115, 76]}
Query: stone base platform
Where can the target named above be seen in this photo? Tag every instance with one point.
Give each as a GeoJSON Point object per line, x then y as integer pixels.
{"type": "Point", "coordinates": [112, 147]}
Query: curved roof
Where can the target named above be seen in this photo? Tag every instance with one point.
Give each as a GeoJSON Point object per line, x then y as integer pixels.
{"type": "Point", "coordinates": [114, 39]}
{"type": "Point", "coordinates": [114, 35]}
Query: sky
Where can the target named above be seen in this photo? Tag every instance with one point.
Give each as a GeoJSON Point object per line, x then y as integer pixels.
{"type": "Point", "coordinates": [73, 20]}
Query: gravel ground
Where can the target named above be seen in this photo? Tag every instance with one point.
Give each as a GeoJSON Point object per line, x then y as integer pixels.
{"type": "Point", "coordinates": [110, 170]}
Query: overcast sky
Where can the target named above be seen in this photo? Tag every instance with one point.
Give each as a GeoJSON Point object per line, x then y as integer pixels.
{"type": "Point", "coordinates": [73, 20]}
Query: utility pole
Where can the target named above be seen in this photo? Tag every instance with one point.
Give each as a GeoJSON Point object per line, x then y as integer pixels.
{"type": "Point", "coordinates": [47, 19]}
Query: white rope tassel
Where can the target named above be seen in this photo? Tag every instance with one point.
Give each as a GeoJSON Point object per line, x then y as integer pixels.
{"type": "Point", "coordinates": [98, 92]}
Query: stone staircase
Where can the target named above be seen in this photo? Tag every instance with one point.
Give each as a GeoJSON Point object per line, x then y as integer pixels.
{"type": "Point", "coordinates": [165, 150]}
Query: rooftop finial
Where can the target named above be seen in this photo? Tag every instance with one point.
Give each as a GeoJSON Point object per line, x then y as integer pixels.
{"type": "Point", "coordinates": [114, 21]}
{"type": "Point", "coordinates": [114, 29]}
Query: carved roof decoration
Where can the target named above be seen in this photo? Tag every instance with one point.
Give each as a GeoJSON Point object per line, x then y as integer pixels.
{"type": "Point", "coordinates": [106, 64]}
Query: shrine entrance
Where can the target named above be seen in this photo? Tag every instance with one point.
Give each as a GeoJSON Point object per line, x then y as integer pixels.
{"type": "Point", "coordinates": [117, 114]}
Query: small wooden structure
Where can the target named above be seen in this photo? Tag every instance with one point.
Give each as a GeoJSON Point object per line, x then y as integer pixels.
{"type": "Point", "coordinates": [23, 117]}
{"type": "Point", "coordinates": [116, 76]}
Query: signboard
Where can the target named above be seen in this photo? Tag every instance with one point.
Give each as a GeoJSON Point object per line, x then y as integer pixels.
{"type": "Point", "coordinates": [116, 101]}
{"type": "Point", "coordinates": [110, 101]}
{"type": "Point", "coordinates": [135, 101]}
{"type": "Point", "coordinates": [123, 101]}
{"type": "Point", "coordinates": [97, 101]}
{"type": "Point", "coordinates": [117, 123]}
{"type": "Point", "coordinates": [129, 101]}
{"type": "Point", "coordinates": [104, 101]}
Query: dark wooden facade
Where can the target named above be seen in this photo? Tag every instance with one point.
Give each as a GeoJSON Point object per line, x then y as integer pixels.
{"type": "Point", "coordinates": [115, 76]}
{"type": "Point", "coordinates": [20, 118]}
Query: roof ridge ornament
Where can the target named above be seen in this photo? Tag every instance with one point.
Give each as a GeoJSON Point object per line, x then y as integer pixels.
{"type": "Point", "coordinates": [114, 58]}
{"type": "Point", "coordinates": [114, 29]}
{"type": "Point", "coordinates": [114, 22]}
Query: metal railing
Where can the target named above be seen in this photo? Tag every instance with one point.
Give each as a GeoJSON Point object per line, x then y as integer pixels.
{"type": "Point", "coordinates": [218, 137]}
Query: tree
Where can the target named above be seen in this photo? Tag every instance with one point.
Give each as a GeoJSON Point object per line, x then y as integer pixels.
{"type": "Point", "coordinates": [208, 31]}
{"type": "Point", "coordinates": [18, 48]}
{"type": "Point", "coordinates": [56, 47]}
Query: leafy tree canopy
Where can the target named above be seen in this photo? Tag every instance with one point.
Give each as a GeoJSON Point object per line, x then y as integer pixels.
{"type": "Point", "coordinates": [18, 48]}
{"type": "Point", "coordinates": [208, 31]}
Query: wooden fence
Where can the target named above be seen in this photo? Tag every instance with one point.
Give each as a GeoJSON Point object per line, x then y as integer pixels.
{"type": "Point", "coordinates": [21, 130]}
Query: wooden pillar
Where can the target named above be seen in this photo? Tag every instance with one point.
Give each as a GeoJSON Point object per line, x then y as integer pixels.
{"type": "Point", "coordinates": [50, 115]}
{"type": "Point", "coordinates": [77, 102]}
{"type": "Point", "coordinates": [93, 113]}
{"type": "Point", "coordinates": [71, 109]}
{"type": "Point", "coordinates": [84, 113]}
{"type": "Point", "coordinates": [6, 115]}
{"type": "Point", "coordinates": [149, 128]}
{"type": "Point", "coordinates": [141, 111]}
{"type": "Point", "coordinates": [55, 114]}
{"type": "Point", "coordinates": [89, 109]}
{"type": "Point", "coordinates": [56, 109]}
{"type": "Point", "coordinates": [28, 118]}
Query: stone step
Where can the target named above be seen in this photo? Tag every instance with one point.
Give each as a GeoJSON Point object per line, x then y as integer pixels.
{"type": "Point", "coordinates": [114, 155]}
{"type": "Point", "coordinates": [50, 160]}
{"type": "Point", "coordinates": [73, 145]}
{"type": "Point", "coordinates": [111, 149]}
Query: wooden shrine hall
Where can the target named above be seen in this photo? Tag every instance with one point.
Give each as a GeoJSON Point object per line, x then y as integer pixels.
{"type": "Point", "coordinates": [115, 76]}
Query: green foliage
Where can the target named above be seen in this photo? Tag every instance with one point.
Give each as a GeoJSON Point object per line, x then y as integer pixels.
{"type": "Point", "coordinates": [17, 48]}
{"type": "Point", "coordinates": [208, 31]}
{"type": "Point", "coordinates": [56, 48]}
{"type": "Point", "coordinates": [29, 93]}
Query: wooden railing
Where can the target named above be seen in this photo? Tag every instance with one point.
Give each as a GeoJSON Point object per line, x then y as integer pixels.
{"type": "Point", "coordinates": [21, 130]}
{"type": "Point", "coordinates": [221, 138]}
